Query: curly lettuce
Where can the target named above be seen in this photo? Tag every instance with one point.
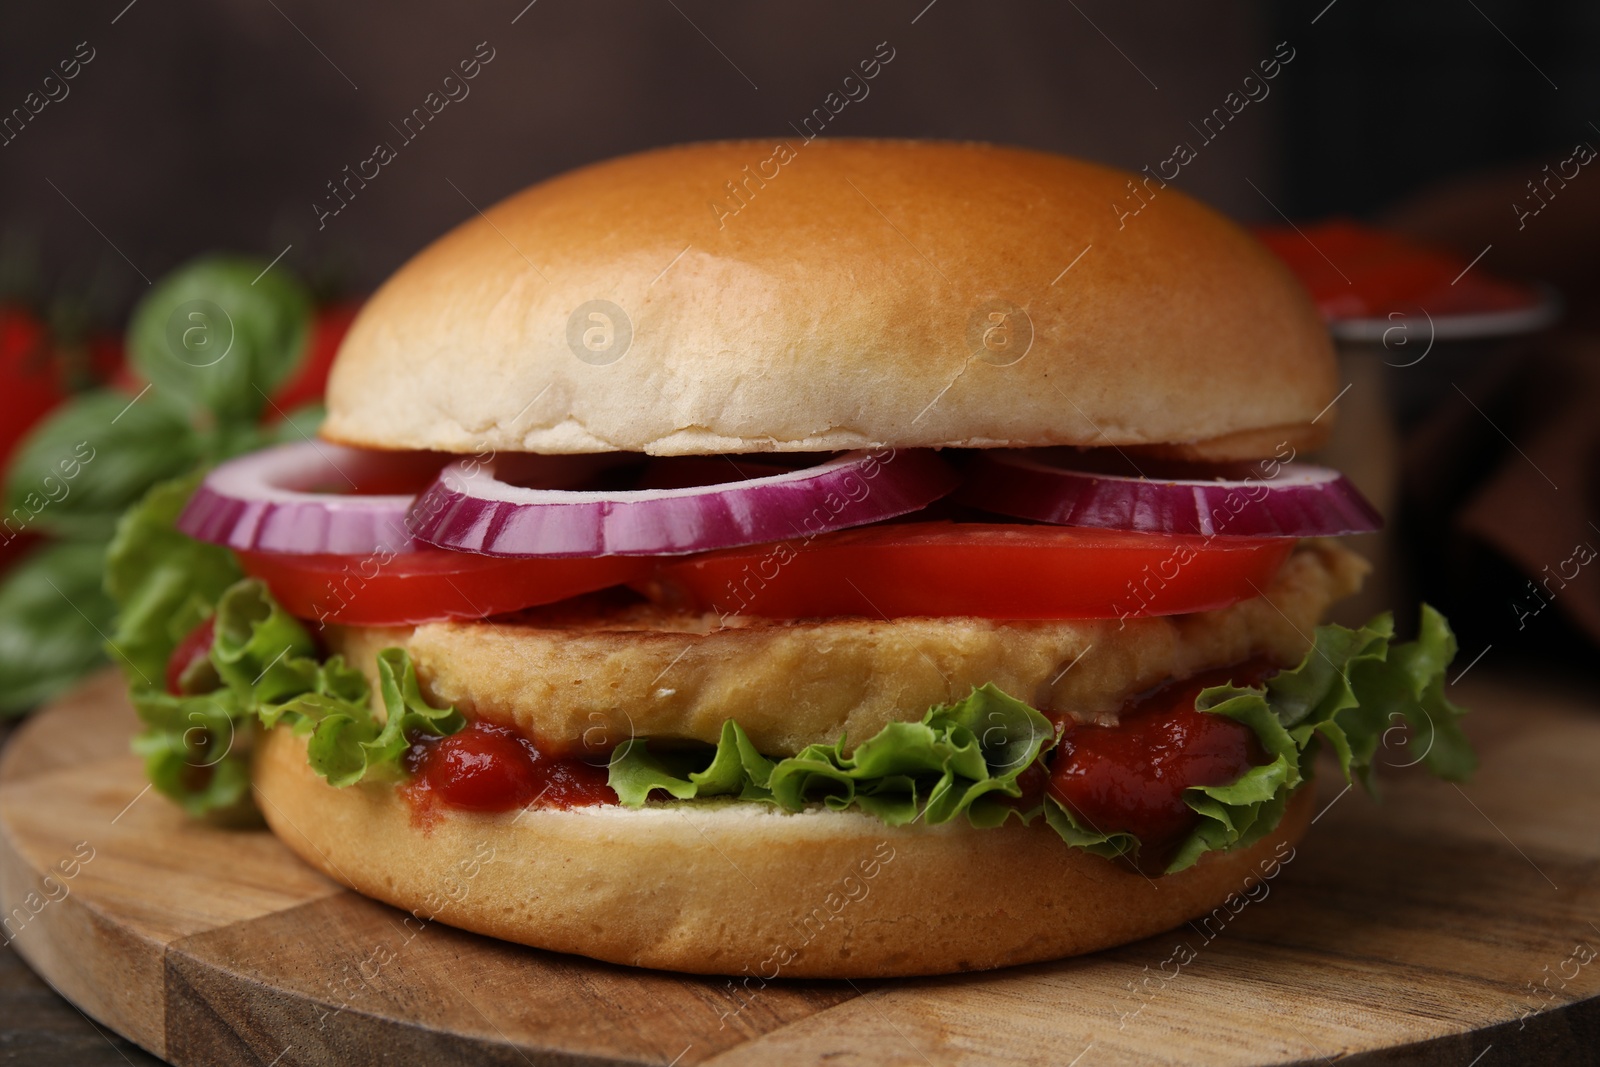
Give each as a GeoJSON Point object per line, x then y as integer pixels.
{"type": "Point", "coordinates": [961, 759]}
{"type": "Point", "coordinates": [1352, 688]}
{"type": "Point", "coordinates": [197, 746]}
{"type": "Point", "coordinates": [1349, 692]}
{"type": "Point", "coordinates": [164, 583]}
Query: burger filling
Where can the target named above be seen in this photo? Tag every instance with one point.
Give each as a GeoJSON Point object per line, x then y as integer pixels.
{"type": "Point", "coordinates": [1136, 664]}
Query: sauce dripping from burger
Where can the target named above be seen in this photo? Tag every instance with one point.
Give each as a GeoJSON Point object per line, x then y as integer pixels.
{"type": "Point", "coordinates": [1132, 776]}
{"type": "Point", "coordinates": [487, 767]}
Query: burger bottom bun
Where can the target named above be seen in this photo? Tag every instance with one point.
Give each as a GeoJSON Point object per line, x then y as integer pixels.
{"type": "Point", "coordinates": [742, 889]}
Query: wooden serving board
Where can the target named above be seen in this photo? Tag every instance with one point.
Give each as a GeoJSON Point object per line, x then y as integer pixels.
{"type": "Point", "coordinates": [1415, 931]}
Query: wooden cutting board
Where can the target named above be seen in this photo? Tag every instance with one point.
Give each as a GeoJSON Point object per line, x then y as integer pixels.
{"type": "Point", "coordinates": [1450, 926]}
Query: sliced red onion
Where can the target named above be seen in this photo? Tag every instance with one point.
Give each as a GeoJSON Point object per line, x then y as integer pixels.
{"type": "Point", "coordinates": [470, 510]}
{"type": "Point", "coordinates": [1298, 501]}
{"type": "Point", "coordinates": [289, 499]}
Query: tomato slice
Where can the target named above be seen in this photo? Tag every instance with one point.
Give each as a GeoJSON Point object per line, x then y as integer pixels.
{"type": "Point", "coordinates": [386, 588]}
{"type": "Point", "coordinates": [996, 571]}
{"type": "Point", "coordinates": [186, 659]}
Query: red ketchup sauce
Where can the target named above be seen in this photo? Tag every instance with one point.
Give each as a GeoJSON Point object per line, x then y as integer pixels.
{"type": "Point", "coordinates": [487, 767]}
{"type": "Point", "coordinates": [1131, 776]}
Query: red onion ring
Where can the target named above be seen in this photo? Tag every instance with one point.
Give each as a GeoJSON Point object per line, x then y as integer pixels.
{"type": "Point", "coordinates": [271, 501]}
{"type": "Point", "coordinates": [473, 511]}
{"type": "Point", "coordinates": [1298, 501]}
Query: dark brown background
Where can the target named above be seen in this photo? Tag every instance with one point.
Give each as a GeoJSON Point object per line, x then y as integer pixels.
{"type": "Point", "coordinates": [216, 125]}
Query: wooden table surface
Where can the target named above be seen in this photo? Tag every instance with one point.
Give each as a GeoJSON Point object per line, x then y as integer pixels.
{"type": "Point", "coordinates": [1409, 933]}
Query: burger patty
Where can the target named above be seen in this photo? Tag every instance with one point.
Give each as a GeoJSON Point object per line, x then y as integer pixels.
{"type": "Point", "coordinates": [590, 674]}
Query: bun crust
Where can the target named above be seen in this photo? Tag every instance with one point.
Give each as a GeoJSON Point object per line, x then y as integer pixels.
{"type": "Point", "coordinates": [741, 889]}
{"type": "Point", "coordinates": [846, 297]}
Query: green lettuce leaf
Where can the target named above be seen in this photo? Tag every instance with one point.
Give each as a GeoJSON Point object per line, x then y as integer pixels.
{"type": "Point", "coordinates": [1075, 832]}
{"type": "Point", "coordinates": [1353, 688]}
{"type": "Point", "coordinates": [164, 583]}
{"type": "Point", "coordinates": [197, 747]}
{"type": "Point", "coordinates": [961, 759]}
{"type": "Point", "coordinates": [734, 768]}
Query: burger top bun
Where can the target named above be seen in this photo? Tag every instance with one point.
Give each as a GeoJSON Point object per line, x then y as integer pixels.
{"type": "Point", "coordinates": [805, 296]}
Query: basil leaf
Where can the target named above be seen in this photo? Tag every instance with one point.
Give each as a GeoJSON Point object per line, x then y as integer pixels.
{"type": "Point", "coordinates": [218, 335]}
{"type": "Point", "coordinates": [52, 615]}
{"type": "Point", "coordinates": [91, 458]}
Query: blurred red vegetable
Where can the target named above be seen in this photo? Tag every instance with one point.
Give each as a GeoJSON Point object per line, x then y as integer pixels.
{"type": "Point", "coordinates": [30, 379]}
{"type": "Point", "coordinates": [1360, 272]}
{"type": "Point", "coordinates": [327, 333]}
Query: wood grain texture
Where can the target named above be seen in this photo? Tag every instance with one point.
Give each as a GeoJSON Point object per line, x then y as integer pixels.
{"type": "Point", "coordinates": [41, 1029]}
{"type": "Point", "coordinates": [368, 988]}
{"type": "Point", "coordinates": [1413, 931]}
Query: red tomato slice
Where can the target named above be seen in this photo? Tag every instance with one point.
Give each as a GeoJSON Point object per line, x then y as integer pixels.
{"type": "Point", "coordinates": [988, 570]}
{"type": "Point", "coordinates": [384, 588]}
{"type": "Point", "coordinates": [190, 651]}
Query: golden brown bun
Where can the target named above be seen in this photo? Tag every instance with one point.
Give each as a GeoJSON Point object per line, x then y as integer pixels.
{"type": "Point", "coordinates": [845, 304]}
{"type": "Point", "coordinates": [737, 888]}
{"type": "Point", "coordinates": [569, 676]}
